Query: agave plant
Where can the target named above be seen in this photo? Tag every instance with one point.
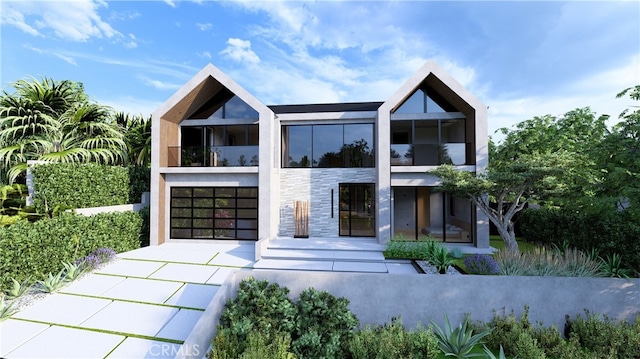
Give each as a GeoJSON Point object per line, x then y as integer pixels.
{"type": "Point", "coordinates": [458, 342]}
{"type": "Point", "coordinates": [612, 267]}
{"type": "Point", "coordinates": [6, 310]}
{"type": "Point", "coordinates": [53, 282]}
{"type": "Point", "coordinates": [490, 354]}
{"type": "Point", "coordinates": [17, 289]}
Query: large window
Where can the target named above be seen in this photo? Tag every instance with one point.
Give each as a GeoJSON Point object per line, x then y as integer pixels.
{"type": "Point", "coordinates": [225, 105]}
{"type": "Point", "coordinates": [213, 146]}
{"type": "Point", "coordinates": [429, 142]}
{"type": "Point", "coordinates": [214, 213]}
{"type": "Point", "coordinates": [349, 145]}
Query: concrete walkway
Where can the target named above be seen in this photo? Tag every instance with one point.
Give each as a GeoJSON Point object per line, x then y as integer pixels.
{"type": "Point", "coordinates": [141, 306]}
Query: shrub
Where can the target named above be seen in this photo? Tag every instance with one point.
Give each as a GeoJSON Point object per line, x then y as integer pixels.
{"type": "Point", "coordinates": [323, 326]}
{"type": "Point", "coordinates": [391, 341]}
{"type": "Point", "coordinates": [35, 249]}
{"type": "Point", "coordinates": [481, 264]}
{"type": "Point", "coordinates": [79, 185]}
{"type": "Point", "coordinates": [318, 326]}
{"type": "Point", "coordinates": [607, 232]}
{"type": "Point", "coordinates": [605, 336]}
{"type": "Point", "coordinates": [259, 306]}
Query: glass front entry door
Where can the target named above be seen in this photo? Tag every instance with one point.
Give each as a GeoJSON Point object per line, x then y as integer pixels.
{"type": "Point", "coordinates": [357, 209]}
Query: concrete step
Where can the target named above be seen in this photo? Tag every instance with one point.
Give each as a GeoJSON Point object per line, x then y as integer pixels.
{"type": "Point", "coordinates": [323, 255]}
{"type": "Point", "coordinates": [340, 243]}
{"type": "Point", "coordinates": [324, 266]}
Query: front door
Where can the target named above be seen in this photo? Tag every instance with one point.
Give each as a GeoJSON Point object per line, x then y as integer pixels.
{"type": "Point", "coordinates": [357, 209]}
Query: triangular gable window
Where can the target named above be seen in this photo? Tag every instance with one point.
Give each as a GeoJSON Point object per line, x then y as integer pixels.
{"type": "Point", "coordinates": [225, 105]}
{"type": "Point", "coordinates": [424, 100]}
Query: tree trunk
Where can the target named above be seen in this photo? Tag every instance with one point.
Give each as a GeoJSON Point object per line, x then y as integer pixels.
{"type": "Point", "coordinates": [508, 235]}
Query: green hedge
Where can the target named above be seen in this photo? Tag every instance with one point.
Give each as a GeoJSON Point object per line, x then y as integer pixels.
{"type": "Point", "coordinates": [608, 232]}
{"type": "Point", "coordinates": [139, 182]}
{"type": "Point", "coordinates": [79, 185]}
{"type": "Point", "coordinates": [35, 249]}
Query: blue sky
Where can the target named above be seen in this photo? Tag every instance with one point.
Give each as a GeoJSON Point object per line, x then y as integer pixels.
{"type": "Point", "coordinates": [521, 59]}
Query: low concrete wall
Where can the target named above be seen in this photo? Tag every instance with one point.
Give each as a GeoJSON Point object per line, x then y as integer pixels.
{"type": "Point", "coordinates": [376, 298]}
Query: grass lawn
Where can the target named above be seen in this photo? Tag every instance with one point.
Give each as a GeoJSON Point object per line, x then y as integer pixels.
{"type": "Point", "coordinates": [497, 243]}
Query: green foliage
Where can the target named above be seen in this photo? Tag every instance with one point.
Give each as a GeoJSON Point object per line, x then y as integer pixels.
{"type": "Point", "coordinates": [391, 341]}
{"type": "Point", "coordinates": [323, 326]}
{"type": "Point", "coordinates": [72, 271]}
{"type": "Point", "coordinates": [74, 185]}
{"type": "Point", "coordinates": [35, 249]}
{"type": "Point", "coordinates": [17, 288]}
{"type": "Point", "coordinates": [318, 326]}
{"type": "Point", "coordinates": [490, 354]}
{"type": "Point", "coordinates": [145, 229]}
{"type": "Point", "coordinates": [548, 262]}
{"type": "Point", "coordinates": [52, 283]}
{"type": "Point", "coordinates": [54, 121]}
{"type": "Point", "coordinates": [459, 342]}
{"type": "Point", "coordinates": [612, 267]}
{"type": "Point", "coordinates": [607, 232]}
{"type": "Point", "coordinates": [409, 249]}
{"type": "Point", "coordinates": [604, 336]}
{"type": "Point", "coordinates": [261, 345]}
{"type": "Point", "coordinates": [439, 257]}
{"type": "Point", "coordinates": [259, 306]}
{"type": "Point", "coordinates": [456, 253]}
{"type": "Point", "coordinates": [6, 310]}
{"type": "Point", "coordinates": [139, 182]}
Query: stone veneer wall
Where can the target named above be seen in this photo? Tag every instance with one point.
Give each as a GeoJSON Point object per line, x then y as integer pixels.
{"type": "Point", "coordinates": [315, 185]}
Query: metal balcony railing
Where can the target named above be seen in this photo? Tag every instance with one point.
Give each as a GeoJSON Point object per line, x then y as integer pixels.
{"type": "Point", "coordinates": [430, 154]}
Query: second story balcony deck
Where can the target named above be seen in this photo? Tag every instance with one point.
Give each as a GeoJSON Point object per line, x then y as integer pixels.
{"type": "Point", "coordinates": [213, 156]}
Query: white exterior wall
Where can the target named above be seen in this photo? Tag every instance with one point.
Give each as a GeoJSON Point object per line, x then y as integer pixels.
{"type": "Point", "coordinates": [315, 185]}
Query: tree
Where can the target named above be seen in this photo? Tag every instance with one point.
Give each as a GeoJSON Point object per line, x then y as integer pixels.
{"type": "Point", "coordinates": [511, 185]}
{"type": "Point", "coordinates": [618, 157]}
{"type": "Point", "coordinates": [54, 121]}
{"type": "Point", "coordinates": [137, 132]}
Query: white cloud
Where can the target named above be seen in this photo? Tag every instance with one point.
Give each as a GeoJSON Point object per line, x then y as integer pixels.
{"type": "Point", "coordinates": [240, 50]}
{"type": "Point", "coordinates": [77, 21]}
{"type": "Point", "coordinates": [204, 54]}
{"type": "Point", "coordinates": [170, 3]}
{"type": "Point", "coordinates": [131, 43]}
{"type": "Point", "coordinates": [204, 27]}
{"type": "Point", "coordinates": [66, 58]}
{"type": "Point", "coordinates": [160, 85]}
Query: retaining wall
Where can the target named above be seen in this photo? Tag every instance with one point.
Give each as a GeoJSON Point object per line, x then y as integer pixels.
{"type": "Point", "coordinates": [376, 298]}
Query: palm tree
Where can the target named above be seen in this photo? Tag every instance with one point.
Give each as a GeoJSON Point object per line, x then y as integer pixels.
{"type": "Point", "coordinates": [55, 122]}
{"type": "Point", "coordinates": [137, 132]}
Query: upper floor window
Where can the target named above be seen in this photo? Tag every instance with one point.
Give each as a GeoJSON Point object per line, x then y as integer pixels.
{"type": "Point", "coordinates": [225, 105]}
{"type": "Point", "coordinates": [348, 145]}
{"type": "Point", "coordinates": [424, 100]}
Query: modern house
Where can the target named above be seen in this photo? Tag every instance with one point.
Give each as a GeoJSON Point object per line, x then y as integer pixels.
{"type": "Point", "coordinates": [227, 167]}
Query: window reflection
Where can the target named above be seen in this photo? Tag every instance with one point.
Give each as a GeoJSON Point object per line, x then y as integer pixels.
{"type": "Point", "coordinates": [326, 146]}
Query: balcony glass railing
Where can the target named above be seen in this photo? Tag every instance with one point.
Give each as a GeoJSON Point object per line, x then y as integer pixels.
{"type": "Point", "coordinates": [429, 154]}
{"type": "Point", "coordinates": [213, 156]}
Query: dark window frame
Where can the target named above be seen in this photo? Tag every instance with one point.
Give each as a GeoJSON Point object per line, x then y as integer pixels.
{"type": "Point", "coordinates": [185, 199]}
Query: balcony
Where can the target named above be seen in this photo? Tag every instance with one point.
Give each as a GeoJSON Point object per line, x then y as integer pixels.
{"type": "Point", "coordinates": [430, 154]}
{"type": "Point", "coordinates": [213, 156]}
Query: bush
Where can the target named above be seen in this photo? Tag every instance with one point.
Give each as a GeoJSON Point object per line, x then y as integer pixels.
{"type": "Point", "coordinates": [259, 306]}
{"type": "Point", "coordinates": [605, 336]}
{"type": "Point", "coordinates": [318, 326]}
{"type": "Point", "coordinates": [35, 249]}
{"type": "Point", "coordinates": [481, 264]}
{"type": "Point", "coordinates": [607, 232]}
{"type": "Point", "coordinates": [548, 262]}
{"type": "Point", "coordinates": [78, 185]}
{"type": "Point", "coordinates": [391, 341]}
{"type": "Point", "coordinates": [324, 324]}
